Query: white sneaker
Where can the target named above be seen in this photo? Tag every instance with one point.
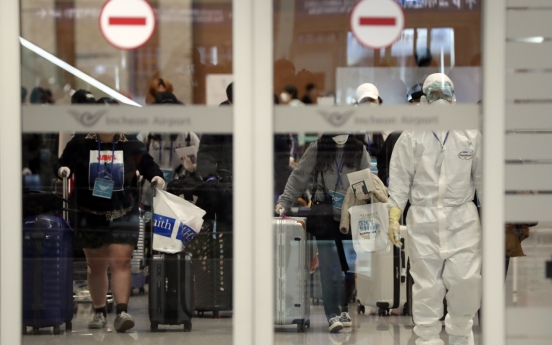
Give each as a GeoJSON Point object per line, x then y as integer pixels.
{"type": "Point", "coordinates": [346, 320]}
{"type": "Point", "coordinates": [123, 322]}
{"type": "Point", "coordinates": [335, 324]}
{"type": "Point", "coordinates": [98, 321]}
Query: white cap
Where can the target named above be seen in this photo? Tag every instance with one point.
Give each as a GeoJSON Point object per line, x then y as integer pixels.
{"type": "Point", "coordinates": [367, 90]}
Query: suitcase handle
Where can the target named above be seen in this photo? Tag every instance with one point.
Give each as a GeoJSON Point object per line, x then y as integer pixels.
{"type": "Point", "coordinates": [65, 197]}
{"type": "Point", "coordinates": [297, 220]}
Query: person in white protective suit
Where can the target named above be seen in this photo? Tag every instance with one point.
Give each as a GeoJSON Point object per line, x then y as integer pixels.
{"type": "Point", "coordinates": [439, 171]}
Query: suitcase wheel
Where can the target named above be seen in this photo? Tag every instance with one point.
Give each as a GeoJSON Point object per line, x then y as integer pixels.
{"type": "Point", "coordinates": [307, 323]}
{"type": "Point", "coordinates": [142, 291]}
{"type": "Point", "coordinates": [301, 326]}
{"type": "Point", "coordinates": [57, 330]}
{"type": "Point", "coordinates": [68, 326]}
{"type": "Point", "coordinates": [216, 314]}
{"type": "Point", "coordinates": [361, 309]}
{"type": "Point", "coordinates": [383, 312]}
{"type": "Point", "coordinates": [154, 327]}
{"type": "Point", "coordinates": [187, 326]}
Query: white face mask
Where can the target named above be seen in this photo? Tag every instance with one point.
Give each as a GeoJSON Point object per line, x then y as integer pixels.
{"type": "Point", "coordinates": [285, 97]}
{"type": "Point", "coordinates": [440, 102]}
{"type": "Point", "coordinates": [340, 139]}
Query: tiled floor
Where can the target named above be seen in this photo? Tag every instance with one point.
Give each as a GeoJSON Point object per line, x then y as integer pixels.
{"type": "Point", "coordinates": [534, 290]}
{"type": "Point", "coordinates": [367, 330]}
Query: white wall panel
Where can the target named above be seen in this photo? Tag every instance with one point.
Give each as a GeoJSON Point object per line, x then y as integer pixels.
{"type": "Point", "coordinates": [528, 208]}
{"type": "Point", "coordinates": [529, 3]}
{"type": "Point", "coordinates": [534, 86]}
{"type": "Point", "coordinates": [529, 23]}
{"type": "Point", "coordinates": [529, 177]}
{"type": "Point", "coordinates": [529, 116]}
{"type": "Point", "coordinates": [521, 55]}
{"type": "Point", "coordinates": [528, 146]}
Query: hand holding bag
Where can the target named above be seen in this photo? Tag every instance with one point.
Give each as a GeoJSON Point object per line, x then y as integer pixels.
{"type": "Point", "coordinates": [320, 219]}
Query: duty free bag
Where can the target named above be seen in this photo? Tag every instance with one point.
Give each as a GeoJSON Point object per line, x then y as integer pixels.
{"type": "Point", "coordinates": [369, 224]}
{"type": "Point", "coordinates": [175, 222]}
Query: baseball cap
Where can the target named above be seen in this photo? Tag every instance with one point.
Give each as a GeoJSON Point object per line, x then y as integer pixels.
{"type": "Point", "coordinates": [367, 90]}
{"type": "Point", "coordinates": [415, 93]}
{"type": "Point", "coordinates": [82, 97]}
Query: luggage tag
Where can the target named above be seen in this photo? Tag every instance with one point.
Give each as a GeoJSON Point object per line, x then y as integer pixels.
{"type": "Point", "coordinates": [103, 188]}
{"type": "Point", "coordinates": [337, 199]}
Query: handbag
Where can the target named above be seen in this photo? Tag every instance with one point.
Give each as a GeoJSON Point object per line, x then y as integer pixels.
{"type": "Point", "coordinates": [320, 219]}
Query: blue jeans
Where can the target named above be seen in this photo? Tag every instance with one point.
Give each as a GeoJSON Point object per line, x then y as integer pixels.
{"type": "Point", "coordinates": [332, 279]}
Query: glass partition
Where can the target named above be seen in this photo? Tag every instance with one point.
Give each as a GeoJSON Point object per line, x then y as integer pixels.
{"type": "Point", "coordinates": [127, 171]}
{"type": "Point", "coordinates": [362, 144]}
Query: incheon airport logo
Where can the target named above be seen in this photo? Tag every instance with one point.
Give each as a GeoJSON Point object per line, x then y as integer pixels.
{"type": "Point", "coordinates": [87, 118]}
{"type": "Point", "coordinates": [336, 118]}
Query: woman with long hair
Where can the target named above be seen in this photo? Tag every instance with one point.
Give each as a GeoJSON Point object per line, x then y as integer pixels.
{"type": "Point", "coordinates": [328, 161]}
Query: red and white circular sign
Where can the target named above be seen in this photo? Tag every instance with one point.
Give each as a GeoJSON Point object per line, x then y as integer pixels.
{"type": "Point", "coordinates": [377, 24]}
{"type": "Point", "coordinates": [127, 24]}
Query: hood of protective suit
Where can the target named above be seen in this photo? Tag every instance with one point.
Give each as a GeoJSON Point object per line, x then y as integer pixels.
{"type": "Point", "coordinates": [437, 80]}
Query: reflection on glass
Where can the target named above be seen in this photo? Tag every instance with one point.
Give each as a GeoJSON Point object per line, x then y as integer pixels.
{"type": "Point", "coordinates": [138, 236]}
{"type": "Point", "coordinates": [432, 274]}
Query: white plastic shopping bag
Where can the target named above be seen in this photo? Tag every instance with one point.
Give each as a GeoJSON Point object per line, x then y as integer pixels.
{"type": "Point", "coordinates": [369, 224]}
{"type": "Point", "coordinates": [175, 222]}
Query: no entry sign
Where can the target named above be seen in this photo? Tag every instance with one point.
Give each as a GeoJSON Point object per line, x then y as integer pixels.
{"type": "Point", "coordinates": [377, 24]}
{"type": "Point", "coordinates": [127, 24]}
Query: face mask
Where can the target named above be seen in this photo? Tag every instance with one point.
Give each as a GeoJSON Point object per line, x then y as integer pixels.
{"type": "Point", "coordinates": [440, 102]}
{"type": "Point", "coordinates": [340, 139]}
{"type": "Point", "coordinates": [285, 97]}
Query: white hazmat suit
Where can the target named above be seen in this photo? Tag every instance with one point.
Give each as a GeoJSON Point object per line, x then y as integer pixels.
{"type": "Point", "coordinates": [439, 173]}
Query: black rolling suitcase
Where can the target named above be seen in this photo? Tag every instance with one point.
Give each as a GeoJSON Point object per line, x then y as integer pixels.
{"type": "Point", "coordinates": [212, 264]}
{"type": "Point", "coordinates": [171, 290]}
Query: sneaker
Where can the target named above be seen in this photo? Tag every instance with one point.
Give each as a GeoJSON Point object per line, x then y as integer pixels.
{"type": "Point", "coordinates": [98, 321]}
{"type": "Point", "coordinates": [346, 320]}
{"type": "Point", "coordinates": [123, 322]}
{"type": "Point", "coordinates": [335, 324]}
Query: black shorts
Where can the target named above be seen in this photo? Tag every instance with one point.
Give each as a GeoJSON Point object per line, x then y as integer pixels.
{"type": "Point", "coordinates": [95, 231]}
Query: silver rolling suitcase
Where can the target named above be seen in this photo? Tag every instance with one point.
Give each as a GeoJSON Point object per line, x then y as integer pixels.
{"type": "Point", "coordinates": [293, 260]}
{"type": "Point", "coordinates": [384, 287]}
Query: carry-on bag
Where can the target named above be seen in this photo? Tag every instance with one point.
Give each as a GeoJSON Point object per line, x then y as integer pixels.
{"type": "Point", "coordinates": [381, 280]}
{"type": "Point", "coordinates": [48, 270]}
{"type": "Point", "coordinates": [293, 264]}
{"type": "Point", "coordinates": [212, 264]}
{"type": "Point", "coordinates": [171, 289]}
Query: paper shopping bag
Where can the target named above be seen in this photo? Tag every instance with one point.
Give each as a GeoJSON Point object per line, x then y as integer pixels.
{"type": "Point", "coordinates": [175, 222]}
{"type": "Point", "coordinates": [369, 224]}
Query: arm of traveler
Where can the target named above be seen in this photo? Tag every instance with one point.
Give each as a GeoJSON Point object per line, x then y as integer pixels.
{"type": "Point", "coordinates": [299, 178]}
{"type": "Point", "coordinates": [401, 171]}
